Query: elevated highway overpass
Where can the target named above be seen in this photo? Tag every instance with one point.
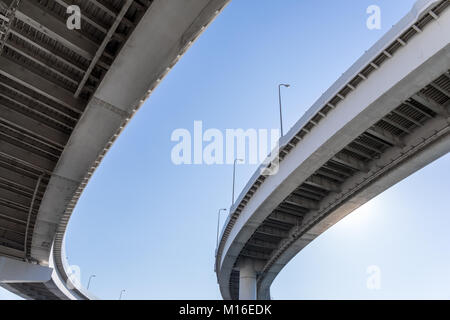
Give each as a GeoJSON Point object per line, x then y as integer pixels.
{"type": "Point", "coordinates": [65, 96]}
{"type": "Point", "coordinates": [382, 120]}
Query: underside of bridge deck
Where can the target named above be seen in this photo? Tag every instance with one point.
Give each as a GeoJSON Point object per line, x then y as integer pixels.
{"type": "Point", "coordinates": [66, 94]}
{"type": "Point", "coordinates": [48, 73]}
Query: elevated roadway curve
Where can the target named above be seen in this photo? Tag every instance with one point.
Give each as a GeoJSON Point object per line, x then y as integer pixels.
{"type": "Point", "coordinates": [382, 120]}
{"type": "Point", "coordinates": [65, 96]}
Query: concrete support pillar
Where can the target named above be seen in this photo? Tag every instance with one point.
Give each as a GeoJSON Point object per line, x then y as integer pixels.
{"type": "Point", "coordinates": [247, 280]}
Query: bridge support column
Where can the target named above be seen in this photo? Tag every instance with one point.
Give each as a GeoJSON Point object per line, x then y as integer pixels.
{"type": "Point", "coordinates": [247, 280]}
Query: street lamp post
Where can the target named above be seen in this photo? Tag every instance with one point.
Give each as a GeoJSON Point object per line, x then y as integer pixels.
{"type": "Point", "coordinates": [279, 99]}
{"type": "Point", "coordinates": [218, 223]}
{"type": "Point", "coordinates": [90, 278]}
{"type": "Point", "coordinates": [234, 179]}
{"type": "Point", "coordinates": [121, 292]}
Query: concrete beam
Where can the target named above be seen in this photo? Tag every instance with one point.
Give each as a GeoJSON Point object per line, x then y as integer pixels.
{"type": "Point", "coordinates": [274, 232]}
{"type": "Point", "coordinates": [14, 197]}
{"type": "Point", "coordinates": [101, 49]}
{"type": "Point", "coordinates": [111, 12]}
{"type": "Point", "coordinates": [11, 175]}
{"type": "Point", "coordinates": [39, 60]}
{"type": "Point", "coordinates": [33, 126]}
{"type": "Point", "coordinates": [254, 254]}
{"type": "Point", "coordinates": [262, 244]}
{"type": "Point", "coordinates": [337, 170]}
{"type": "Point", "coordinates": [11, 242]}
{"type": "Point", "coordinates": [441, 89]}
{"type": "Point", "coordinates": [431, 104]}
{"type": "Point", "coordinates": [32, 111]}
{"type": "Point", "coordinates": [385, 136]}
{"type": "Point", "coordinates": [39, 84]}
{"type": "Point", "coordinates": [11, 215]}
{"type": "Point", "coordinates": [12, 271]}
{"type": "Point", "coordinates": [9, 227]}
{"type": "Point", "coordinates": [410, 119]}
{"type": "Point", "coordinates": [62, 59]}
{"type": "Point", "coordinates": [302, 202]}
{"type": "Point", "coordinates": [359, 152]}
{"type": "Point", "coordinates": [61, 110]}
{"type": "Point", "coordinates": [285, 218]}
{"type": "Point", "coordinates": [295, 212]}
{"type": "Point", "coordinates": [396, 125]}
{"type": "Point", "coordinates": [6, 251]}
{"type": "Point", "coordinates": [350, 162]}
{"type": "Point", "coordinates": [330, 175]}
{"type": "Point", "coordinates": [43, 164]}
{"type": "Point", "coordinates": [366, 146]}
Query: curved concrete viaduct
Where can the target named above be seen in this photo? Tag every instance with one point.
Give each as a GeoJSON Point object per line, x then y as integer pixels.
{"type": "Point", "coordinates": [65, 96]}
{"type": "Point", "coordinates": [385, 118]}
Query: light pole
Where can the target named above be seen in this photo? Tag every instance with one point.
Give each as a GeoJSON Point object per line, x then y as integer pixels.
{"type": "Point", "coordinates": [279, 99]}
{"type": "Point", "coordinates": [234, 179]}
{"type": "Point", "coordinates": [121, 292]}
{"type": "Point", "coordinates": [218, 223]}
{"type": "Point", "coordinates": [89, 282]}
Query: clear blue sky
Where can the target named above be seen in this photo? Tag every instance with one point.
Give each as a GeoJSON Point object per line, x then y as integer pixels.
{"type": "Point", "coordinates": [148, 226]}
